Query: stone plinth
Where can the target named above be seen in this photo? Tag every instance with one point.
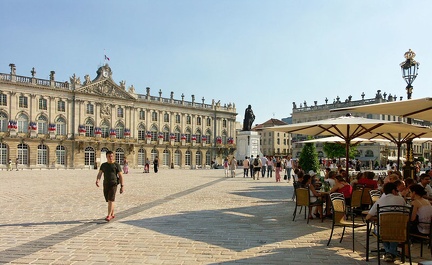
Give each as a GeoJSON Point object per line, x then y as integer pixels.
{"type": "Point", "coordinates": [248, 143]}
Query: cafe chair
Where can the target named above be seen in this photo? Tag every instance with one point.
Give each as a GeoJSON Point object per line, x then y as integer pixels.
{"type": "Point", "coordinates": [423, 238]}
{"type": "Point", "coordinates": [392, 225]}
{"type": "Point", "coordinates": [303, 200]}
{"type": "Point", "coordinates": [366, 199]}
{"type": "Point", "coordinates": [356, 202]}
{"type": "Point", "coordinates": [339, 217]}
{"type": "Point", "coordinates": [374, 196]}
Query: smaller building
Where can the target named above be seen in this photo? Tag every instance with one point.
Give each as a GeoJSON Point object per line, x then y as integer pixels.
{"type": "Point", "coordinates": [273, 143]}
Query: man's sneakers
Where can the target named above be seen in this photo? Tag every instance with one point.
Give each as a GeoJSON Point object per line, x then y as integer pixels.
{"type": "Point", "coordinates": [389, 257]}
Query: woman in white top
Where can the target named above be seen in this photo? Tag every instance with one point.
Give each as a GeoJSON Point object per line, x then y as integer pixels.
{"type": "Point", "coordinates": [314, 196]}
{"type": "Point", "coordinates": [422, 210]}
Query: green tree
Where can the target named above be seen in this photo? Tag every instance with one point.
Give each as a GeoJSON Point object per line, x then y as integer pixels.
{"type": "Point", "coordinates": [309, 158]}
{"type": "Point", "coordinates": [337, 150]}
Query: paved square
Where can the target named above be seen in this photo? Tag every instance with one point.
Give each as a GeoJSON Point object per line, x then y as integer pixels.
{"type": "Point", "coordinates": [172, 217]}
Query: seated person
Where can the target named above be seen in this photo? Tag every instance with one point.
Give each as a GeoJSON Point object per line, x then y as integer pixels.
{"type": "Point", "coordinates": [422, 210]}
{"type": "Point", "coordinates": [391, 198]}
{"type": "Point", "coordinates": [331, 178]}
{"type": "Point", "coordinates": [314, 196]}
{"type": "Point", "coordinates": [368, 180]}
{"type": "Point", "coordinates": [343, 187]}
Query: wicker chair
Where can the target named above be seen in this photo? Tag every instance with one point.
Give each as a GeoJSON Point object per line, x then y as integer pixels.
{"type": "Point", "coordinates": [339, 216]}
{"type": "Point", "coordinates": [393, 226]}
{"type": "Point", "coordinates": [356, 202]}
{"type": "Point", "coordinates": [303, 199]}
{"type": "Point", "coordinates": [374, 196]}
{"type": "Point", "coordinates": [424, 238]}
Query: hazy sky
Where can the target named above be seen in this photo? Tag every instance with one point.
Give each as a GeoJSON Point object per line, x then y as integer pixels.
{"type": "Point", "coordinates": [266, 53]}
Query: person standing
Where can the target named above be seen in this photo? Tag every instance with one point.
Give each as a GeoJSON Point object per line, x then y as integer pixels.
{"type": "Point", "coordinates": [270, 165]}
{"type": "Point", "coordinates": [257, 164]}
{"type": "Point", "coordinates": [226, 166]}
{"type": "Point", "coordinates": [251, 167]}
{"type": "Point", "coordinates": [16, 163]}
{"type": "Point", "coordinates": [112, 173]}
{"type": "Point", "coordinates": [156, 164]}
{"type": "Point", "coordinates": [147, 166]}
{"type": "Point", "coordinates": [278, 169]}
{"type": "Point", "coordinates": [125, 166]}
{"type": "Point", "coordinates": [246, 164]}
{"type": "Point", "coordinates": [288, 167]}
{"type": "Point", "coordinates": [233, 167]}
{"type": "Point", "coordinates": [264, 166]}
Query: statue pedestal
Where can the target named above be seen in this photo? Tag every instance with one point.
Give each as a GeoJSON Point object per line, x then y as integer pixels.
{"type": "Point", "coordinates": [248, 143]}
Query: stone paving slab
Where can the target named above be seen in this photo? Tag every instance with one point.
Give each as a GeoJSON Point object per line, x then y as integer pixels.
{"type": "Point", "coordinates": [172, 217]}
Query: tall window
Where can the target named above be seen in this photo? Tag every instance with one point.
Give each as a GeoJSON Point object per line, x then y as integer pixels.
{"type": "Point", "coordinates": [208, 158]}
{"type": "Point", "coordinates": [90, 108]}
{"type": "Point", "coordinates": [154, 133]}
{"type": "Point", "coordinates": [3, 122]}
{"type": "Point", "coordinates": [188, 158]}
{"type": "Point", "coordinates": [22, 154]}
{"type": "Point", "coordinates": [61, 126]}
{"type": "Point", "coordinates": [177, 158]}
{"type": "Point", "coordinates": [141, 132]}
{"type": "Point", "coordinates": [141, 157]}
{"type": "Point", "coordinates": [208, 122]}
{"type": "Point", "coordinates": [177, 118]}
{"type": "Point", "coordinates": [119, 156]}
{"type": "Point", "coordinates": [198, 136]}
{"type": "Point", "coordinates": [3, 100]}
{"type": "Point", "coordinates": [42, 155]}
{"type": "Point", "coordinates": [3, 153]}
{"type": "Point", "coordinates": [142, 115]}
{"type": "Point", "coordinates": [23, 102]}
{"type": "Point", "coordinates": [22, 123]}
{"type": "Point", "coordinates": [198, 120]}
{"type": "Point", "coordinates": [105, 129]}
{"type": "Point", "coordinates": [198, 158]}
{"type": "Point", "coordinates": [153, 154]}
{"type": "Point", "coordinates": [177, 135]}
{"type": "Point", "coordinates": [224, 137]}
{"type": "Point", "coordinates": [43, 104]}
{"type": "Point", "coordinates": [119, 131]}
{"type": "Point", "coordinates": [166, 134]}
{"type": "Point", "coordinates": [188, 135]}
{"type": "Point", "coordinates": [89, 156]}
{"type": "Point", "coordinates": [224, 123]}
{"type": "Point", "coordinates": [61, 106]}
{"type": "Point", "coordinates": [208, 137]}
{"type": "Point", "coordinates": [61, 155]}
{"type": "Point", "coordinates": [166, 158]}
{"type": "Point", "coordinates": [120, 112]}
{"type": "Point", "coordinates": [166, 117]}
{"type": "Point", "coordinates": [188, 119]}
{"type": "Point", "coordinates": [89, 126]}
{"type": "Point", "coordinates": [42, 125]}
{"type": "Point", "coordinates": [154, 116]}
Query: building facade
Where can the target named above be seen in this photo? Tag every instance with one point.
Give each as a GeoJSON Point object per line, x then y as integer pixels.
{"type": "Point", "coordinates": [51, 124]}
{"type": "Point", "coordinates": [273, 143]}
{"type": "Point", "coordinates": [368, 153]}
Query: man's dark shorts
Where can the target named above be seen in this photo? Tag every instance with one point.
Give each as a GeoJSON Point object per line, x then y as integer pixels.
{"type": "Point", "coordinates": [110, 192]}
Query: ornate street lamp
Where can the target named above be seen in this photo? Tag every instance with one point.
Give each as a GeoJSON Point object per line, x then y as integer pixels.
{"type": "Point", "coordinates": [409, 73]}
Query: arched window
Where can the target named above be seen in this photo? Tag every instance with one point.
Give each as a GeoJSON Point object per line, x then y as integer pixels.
{"type": "Point", "coordinates": [208, 158]}
{"type": "Point", "coordinates": [198, 121]}
{"type": "Point", "coordinates": [105, 129]}
{"type": "Point", "coordinates": [188, 135]}
{"type": "Point", "coordinates": [154, 116]}
{"type": "Point", "coordinates": [177, 134]}
{"type": "Point", "coordinates": [208, 137]}
{"type": "Point", "coordinates": [119, 155]}
{"type": "Point", "coordinates": [224, 137]}
{"type": "Point", "coordinates": [119, 131]}
{"type": "Point", "coordinates": [188, 158]}
{"type": "Point", "coordinates": [42, 125]}
{"type": "Point", "coordinates": [89, 156]}
{"type": "Point", "coordinates": [154, 133]}
{"type": "Point", "coordinates": [60, 126]}
{"type": "Point", "coordinates": [177, 158]}
{"type": "Point", "coordinates": [188, 119]}
{"type": "Point", "coordinates": [22, 154]}
{"type": "Point", "coordinates": [198, 158]}
{"type": "Point", "coordinates": [42, 155]}
{"type": "Point", "coordinates": [198, 135]}
{"type": "Point", "coordinates": [166, 134]}
{"type": "Point", "coordinates": [23, 123]}
{"type": "Point", "coordinates": [208, 122]}
{"type": "Point", "coordinates": [141, 132]}
{"type": "Point", "coordinates": [89, 125]}
{"type": "Point", "coordinates": [369, 153]}
{"type": "Point", "coordinates": [3, 122]}
{"type": "Point", "coordinates": [60, 155]}
{"type": "Point", "coordinates": [141, 157]}
{"type": "Point", "coordinates": [166, 158]}
{"type": "Point", "coordinates": [166, 117]}
{"type": "Point", "coordinates": [3, 154]}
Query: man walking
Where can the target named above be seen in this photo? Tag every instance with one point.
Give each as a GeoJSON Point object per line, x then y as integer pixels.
{"type": "Point", "coordinates": [112, 177]}
{"type": "Point", "coordinates": [245, 167]}
{"type": "Point", "coordinates": [251, 167]}
{"type": "Point", "coordinates": [257, 164]}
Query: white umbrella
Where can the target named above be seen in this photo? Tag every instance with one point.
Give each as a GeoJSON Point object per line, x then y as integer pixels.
{"type": "Point", "coordinates": [349, 127]}
{"type": "Point", "coordinates": [335, 139]}
{"type": "Point", "coordinates": [412, 108]}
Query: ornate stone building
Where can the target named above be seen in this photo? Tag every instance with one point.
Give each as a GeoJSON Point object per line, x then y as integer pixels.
{"type": "Point", "coordinates": [51, 124]}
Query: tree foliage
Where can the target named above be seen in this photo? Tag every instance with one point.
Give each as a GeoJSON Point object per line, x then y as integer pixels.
{"type": "Point", "coordinates": [337, 150]}
{"type": "Point", "coordinates": [309, 158]}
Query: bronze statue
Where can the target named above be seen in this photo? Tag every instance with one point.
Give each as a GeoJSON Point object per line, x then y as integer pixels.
{"type": "Point", "coordinates": [248, 119]}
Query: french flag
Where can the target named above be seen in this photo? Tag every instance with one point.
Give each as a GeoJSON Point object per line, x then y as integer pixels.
{"type": "Point", "coordinates": [107, 58]}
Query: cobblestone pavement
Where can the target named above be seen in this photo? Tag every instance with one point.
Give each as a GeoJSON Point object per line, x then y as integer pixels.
{"type": "Point", "coordinates": [172, 217]}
